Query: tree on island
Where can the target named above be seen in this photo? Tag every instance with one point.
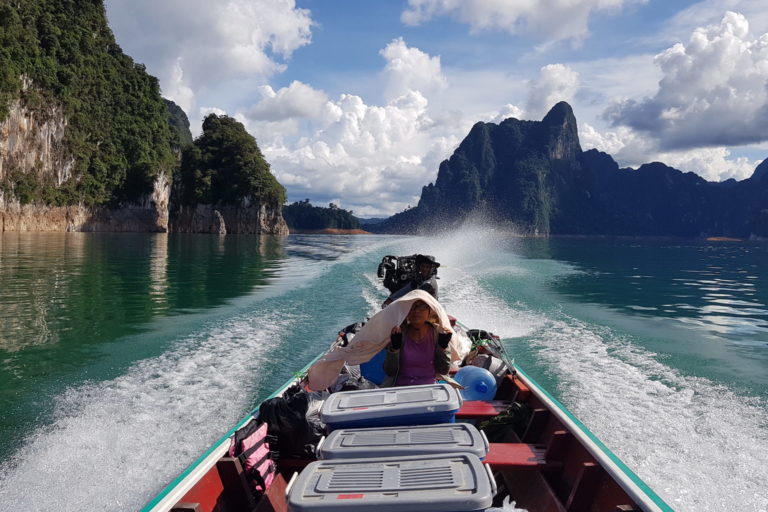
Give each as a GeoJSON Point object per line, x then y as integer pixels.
{"type": "Point", "coordinates": [224, 165]}
{"type": "Point", "coordinates": [303, 216]}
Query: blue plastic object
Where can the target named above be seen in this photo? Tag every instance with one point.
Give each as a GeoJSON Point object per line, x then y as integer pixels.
{"type": "Point", "coordinates": [479, 383]}
{"type": "Point", "coordinates": [427, 404]}
{"type": "Point", "coordinates": [373, 370]}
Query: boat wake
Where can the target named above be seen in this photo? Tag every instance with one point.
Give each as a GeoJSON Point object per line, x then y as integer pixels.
{"type": "Point", "coordinates": [700, 445]}
{"type": "Point", "coordinates": [113, 445]}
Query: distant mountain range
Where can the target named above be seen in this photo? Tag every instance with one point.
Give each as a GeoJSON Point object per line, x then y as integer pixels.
{"type": "Point", "coordinates": [534, 175]}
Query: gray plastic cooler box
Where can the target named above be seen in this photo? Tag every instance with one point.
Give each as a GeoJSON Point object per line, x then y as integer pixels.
{"type": "Point", "coordinates": [403, 441]}
{"type": "Point", "coordinates": [456, 482]}
{"type": "Point", "coordinates": [391, 407]}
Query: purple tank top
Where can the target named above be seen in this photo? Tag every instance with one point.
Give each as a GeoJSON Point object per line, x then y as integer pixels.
{"type": "Point", "coordinates": [417, 361]}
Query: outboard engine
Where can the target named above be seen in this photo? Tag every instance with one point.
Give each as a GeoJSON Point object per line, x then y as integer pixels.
{"type": "Point", "coordinates": [397, 271]}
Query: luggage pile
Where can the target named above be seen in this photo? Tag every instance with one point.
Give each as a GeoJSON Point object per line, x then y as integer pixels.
{"type": "Point", "coordinates": [395, 449]}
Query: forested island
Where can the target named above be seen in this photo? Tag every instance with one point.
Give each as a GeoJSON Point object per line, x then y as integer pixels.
{"type": "Point", "coordinates": [89, 144]}
{"type": "Point", "coordinates": [303, 217]}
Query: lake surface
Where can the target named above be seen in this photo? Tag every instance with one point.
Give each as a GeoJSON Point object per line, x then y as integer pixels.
{"type": "Point", "coordinates": [123, 357]}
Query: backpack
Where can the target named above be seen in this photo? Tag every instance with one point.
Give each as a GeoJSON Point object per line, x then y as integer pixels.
{"type": "Point", "coordinates": [294, 422]}
{"type": "Point", "coordinates": [250, 445]}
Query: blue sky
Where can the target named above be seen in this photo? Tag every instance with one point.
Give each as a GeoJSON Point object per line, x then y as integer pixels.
{"type": "Point", "coordinates": [357, 102]}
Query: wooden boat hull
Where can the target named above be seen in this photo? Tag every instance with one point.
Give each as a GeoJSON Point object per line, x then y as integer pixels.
{"type": "Point", "coordinates": [553, 464]}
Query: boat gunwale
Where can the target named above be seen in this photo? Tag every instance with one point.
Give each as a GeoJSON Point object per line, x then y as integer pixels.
{"type": "Point", "coordinates": [632, 484]}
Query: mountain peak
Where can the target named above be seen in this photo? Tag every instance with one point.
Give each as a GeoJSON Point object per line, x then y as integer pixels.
{"type": "Point", "coordinates": [559, 114]}
{"type": "Point", "coordinates": [561, 126]}
{"type": "Point", "coordinates": [761, 171]}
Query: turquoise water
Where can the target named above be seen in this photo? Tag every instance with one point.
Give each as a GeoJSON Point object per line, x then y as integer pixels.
{"type": "Point", "coordinates": [123, 357]}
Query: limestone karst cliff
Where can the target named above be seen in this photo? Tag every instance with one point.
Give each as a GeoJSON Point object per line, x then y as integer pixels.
{"type": "Point", "coordinates": [534, 176]}
{"type": "Point", "coordinates": [86, 141]}
{"type": "Point", "coordinates": [224, 184]}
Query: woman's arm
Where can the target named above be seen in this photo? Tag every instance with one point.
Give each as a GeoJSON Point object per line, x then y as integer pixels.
{"type": "Point", "coordinates": [392, 357]}
{"type": "Point", "coordinates": [442, 361]}
{"type": "Point", "coordinates": [442, 355]}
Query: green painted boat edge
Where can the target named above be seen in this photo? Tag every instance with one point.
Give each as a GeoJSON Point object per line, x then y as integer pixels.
{"type": "Point", "coordinates": [655, 498]}
{"type": "Point", "coordinates": [215, 446]}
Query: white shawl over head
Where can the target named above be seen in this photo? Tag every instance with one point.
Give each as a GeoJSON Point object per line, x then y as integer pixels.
{"type": "Point", "coordinates": [374, 336]}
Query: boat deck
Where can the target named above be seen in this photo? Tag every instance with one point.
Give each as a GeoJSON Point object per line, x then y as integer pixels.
{"type": "Point", "coordinates": [540, 464]}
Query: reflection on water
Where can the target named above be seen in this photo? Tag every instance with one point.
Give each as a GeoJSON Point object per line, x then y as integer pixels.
{"type": "Point", "coordinates": [61, 288]}
{"type": "Point", "coordinates": [715, 287]}
{"type": "Point", "coordinates": [701, 306]}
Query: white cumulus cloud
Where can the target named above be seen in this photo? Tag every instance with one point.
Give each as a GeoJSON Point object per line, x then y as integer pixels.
{"type": "Point", "coordinates": [411, 69]}
{"type": "Point", "coordinates": [551, 19]}
{"type": "Point", "coordinates": [364, 157]}
{"type": "Point", "coordinates": [713, 91]}
{"type": "Point", "coordinates": [200, 45]}
{"type": "Point", "coordinates": [555, 83]}
{"type": "Point", "coordinates": [177, 88]}
{"type": "Point", "coordinates": [296, 100]}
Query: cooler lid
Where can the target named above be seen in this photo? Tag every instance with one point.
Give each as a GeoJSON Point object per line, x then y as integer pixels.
{"type": "Point", "coordinates": [403, 441]}
{"type": "Point", "coordinates": [454, 482]}
{"type": "Point", "coordinates": [399, 401]}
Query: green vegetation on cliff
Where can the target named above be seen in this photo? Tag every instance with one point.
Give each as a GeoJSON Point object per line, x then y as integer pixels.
{"type": "Point", "coordinates": [301, 215]}
{"type": "Point", "coordinates": [225, 166]}
{"type": "Point", "coordinates": [179, 122]}
{"type": "Point", "coordinates": [61, 52]}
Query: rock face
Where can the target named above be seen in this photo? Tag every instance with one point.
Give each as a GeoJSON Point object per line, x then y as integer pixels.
{"type": "Point", "coordinates": [150, 214]}
{"type": "Point", "coordinates": [31, 142]}
{"type": "Point", "coordinates": [87, 142]}
{"type": "Point", "coordinates": [535, 176]}
{"type": "Point", "coordinates": [226, 219]}
{"type": "Point", "coordinates": [507, 171]}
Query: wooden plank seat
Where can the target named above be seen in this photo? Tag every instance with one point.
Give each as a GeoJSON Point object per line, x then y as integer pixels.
{"type": "Point", "coordinates": [484, 410]}
{"type": "Point", "coordinates": [481, 410]}
{"type": "Point", "coordinates": [518, 456]}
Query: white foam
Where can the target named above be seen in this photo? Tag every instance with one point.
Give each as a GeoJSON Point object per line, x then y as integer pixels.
{"type": "Point", "coordinates": [700, 445]}
{"type": "Point", "coordinates": [697, 444]}
{"type": "Point", "coordinates": [114, 445]}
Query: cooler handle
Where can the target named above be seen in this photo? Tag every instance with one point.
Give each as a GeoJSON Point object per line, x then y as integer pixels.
{"type": "Point", "coordinates": [296, 475]}
{"type": "Point", "coordinates": [458, 393]}
{"type": "Point", "coordinates": [317, 448]}
{"type": "Point", "coordinates": [485, 441]}
{"type": "Point", "coordinates": [487, 470]}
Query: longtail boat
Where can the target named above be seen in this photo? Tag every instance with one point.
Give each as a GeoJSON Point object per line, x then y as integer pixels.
{"type": "Point", "coordinates": [550, 462]}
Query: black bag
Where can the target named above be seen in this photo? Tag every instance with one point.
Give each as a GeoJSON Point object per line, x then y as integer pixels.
{"type": "Point", "coordinates": [348, 382]}
{"type": "Point", "coordinates": [296, 428]}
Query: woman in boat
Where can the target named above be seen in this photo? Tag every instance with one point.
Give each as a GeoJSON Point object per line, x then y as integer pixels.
{"type": "Point", "coordinates": [418, 349]}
